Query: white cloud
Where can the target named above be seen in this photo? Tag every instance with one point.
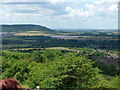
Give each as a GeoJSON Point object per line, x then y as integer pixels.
{"type": "Point", "coordinates": [113, 7]}
{"type": "Point", "coordinates": [52, 1]}
{"type": "Point", "coordinates": [7, 1]}
{"type": "Point", "coordinates": [77, 12]}
{"type": "Point", "coordinates": [91, 6]}
{"type": "Point", "coordinates": [55, 1]}
{"type": "Point", "coordinates": [103, 8]}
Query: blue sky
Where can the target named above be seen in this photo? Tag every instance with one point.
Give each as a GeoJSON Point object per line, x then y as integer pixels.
{"type": "Point", "coordinates": [67, 14]}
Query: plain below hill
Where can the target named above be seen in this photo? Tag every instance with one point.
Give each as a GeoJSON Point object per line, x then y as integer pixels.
{"type": "Point", "coordinates": [24, 28]}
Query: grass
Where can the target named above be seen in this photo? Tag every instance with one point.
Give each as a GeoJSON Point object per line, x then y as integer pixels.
{"type": "Point", "coordinates": [31, 34]}
{"type": "Point", "coordinates": [25, 86]}
{"type": "Point", "coordinates": [59, 48]}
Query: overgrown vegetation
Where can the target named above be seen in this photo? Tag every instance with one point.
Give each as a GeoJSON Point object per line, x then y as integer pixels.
{"type": "Point", "coordinates": [56, 69]}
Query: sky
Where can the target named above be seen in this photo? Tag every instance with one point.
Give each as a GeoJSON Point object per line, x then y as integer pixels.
{"type": "Point", "coordinates": [61, 14]}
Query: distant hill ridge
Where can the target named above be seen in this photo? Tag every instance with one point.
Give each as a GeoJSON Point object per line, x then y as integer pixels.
{"type": "Point", "coordinates": [24, 27]}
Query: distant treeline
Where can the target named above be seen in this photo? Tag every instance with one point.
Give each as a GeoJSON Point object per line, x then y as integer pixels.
{"type": "Point", "coordinates": [46, 41]}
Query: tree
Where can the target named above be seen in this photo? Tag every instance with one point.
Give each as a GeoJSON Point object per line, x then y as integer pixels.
{"type": "Point", "coordinates": [70, 72]}
{"type": "Point", "coordinates": [18, 70]}
{"type": "Point", "coordinates": [38, 57]}
{"type": "Point", "coordinates": [115, 82]}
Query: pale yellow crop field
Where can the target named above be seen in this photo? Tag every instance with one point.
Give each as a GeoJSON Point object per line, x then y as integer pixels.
{"type": "Point", "coordinates": [58, 48]}
{"type": "Point", "coordinates": [61, 48]}
{"type": "Point", "coordinates": [31, 34]}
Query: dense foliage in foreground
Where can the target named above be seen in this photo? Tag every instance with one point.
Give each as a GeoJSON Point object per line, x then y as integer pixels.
{"type": "Point", "coordinates": [54, 69]}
